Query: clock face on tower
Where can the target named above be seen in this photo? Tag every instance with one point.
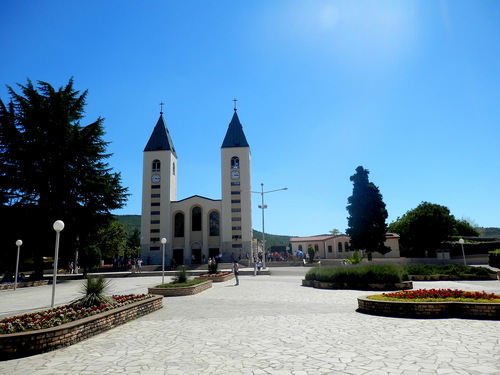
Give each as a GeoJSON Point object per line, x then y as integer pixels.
{"type": "Point", "coordinates": [235, 175]}
{"type": "Point", "coordinates": [155, 178]}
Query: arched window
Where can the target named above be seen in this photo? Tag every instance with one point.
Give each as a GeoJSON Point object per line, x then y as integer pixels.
{"type": "Point", "coordinates": [316, 248]}
{"type": "Point", "coordinates": [196, 219]}
{"type": "Point", "coordinates": [214, 223]}
{"type": "Point", "coordinates": [179, 225]}
{"type": "Point", "coordinates": [300, 247]}
{"type": "Point", "coordinates": [235, 162]}
{"type": "Point", "coordinates": [340, 247]}
{"type": "Point", "coordinates": [173, 168]}
{"type": "Point", "coordinates": [346, 246]}
{"type": "Point", "coordinates": [156, 166]}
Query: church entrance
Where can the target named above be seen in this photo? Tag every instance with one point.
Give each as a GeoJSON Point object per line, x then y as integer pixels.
{"type": "Point", "coordinates": [212, 252]}
{"type": "Point", "coordinates": [196, 257]}
{"type": "Point", "coordinates": [178, 257]}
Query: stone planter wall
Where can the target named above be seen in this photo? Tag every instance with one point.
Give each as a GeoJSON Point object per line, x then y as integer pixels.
{"type": "Point", "coordinates": [23, 284]}
{"type": "Point", "coordinates": [470, 310]}
{"type": "Point", "coordinates": [327, 285]}
{"type": "Point", "coordinates": [218, 279]}
{"type": "Point", "coordinates": [450, 277]}
{"type": "Point", "coordinates": [23, 344]}
{"type": "Point", "coordinates": [181, 291]}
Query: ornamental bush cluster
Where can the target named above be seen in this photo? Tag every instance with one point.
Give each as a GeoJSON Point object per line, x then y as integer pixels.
{"type": "Point", "coordinates": [373, 274]}
{"type": "Point", "coordinates": [63, 314]}
{"type": "Point", "coordinates": [494, 258]}
{"type": "Point", "coordinates": [448, 269]}
{"type": "Point", "coordinates": [439, 294]}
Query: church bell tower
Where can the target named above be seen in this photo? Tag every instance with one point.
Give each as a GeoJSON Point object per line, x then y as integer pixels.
{"type": "Point", "coordinates": [159, 189]}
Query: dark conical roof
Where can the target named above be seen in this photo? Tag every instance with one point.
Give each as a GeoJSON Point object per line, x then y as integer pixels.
{"type": "Point", "coordinates": [235, 136]}
{"type": "Point", "coordinates": [160, 138]}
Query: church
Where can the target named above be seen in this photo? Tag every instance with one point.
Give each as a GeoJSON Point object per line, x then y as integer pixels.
{"type": "Point", "coordinates": [195, 228]}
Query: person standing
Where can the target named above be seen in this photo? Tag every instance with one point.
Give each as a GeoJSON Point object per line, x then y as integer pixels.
{"type": "Point", "coordinates": [236, 268]}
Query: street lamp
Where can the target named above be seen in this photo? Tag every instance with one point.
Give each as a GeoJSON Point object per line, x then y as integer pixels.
{"type": "Point", "coordinates": [461, 242]}
{"type": "Point", "coordinates": [263, 207]}
{"type": "Point", "coordinates": [58, 227]}
{"type": "Point", "coordinates": [163, 241]}
{"type": "Point", "coordinates": [18, 244]}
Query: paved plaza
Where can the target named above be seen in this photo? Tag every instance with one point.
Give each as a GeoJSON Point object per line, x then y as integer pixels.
{"type": "Point", "coordinates": [266, 325]}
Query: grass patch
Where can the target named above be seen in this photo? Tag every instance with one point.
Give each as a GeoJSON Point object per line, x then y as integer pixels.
{"type": "Point", "coordinates": [181, 285]}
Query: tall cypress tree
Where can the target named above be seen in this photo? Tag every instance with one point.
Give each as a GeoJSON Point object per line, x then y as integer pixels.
{"type": "Point", "coordinates": [367, 215]}
{"type": "Point", "coordinates": [55, 168]}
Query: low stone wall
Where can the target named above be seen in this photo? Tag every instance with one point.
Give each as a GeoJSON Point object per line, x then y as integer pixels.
{"type": "Point", "coordinates": [23, 284]}
{"type": "Point", "coordinates": [492, 276]}
{"type": "Point", "coordinates": [181, 291]}
{"type": "Point", "coordinates": [23, 344]}
{"type": "Point", "coordinates": [387, 286]}
{"type": "Point", "coordinates": [217, 279]}
{"type": "Point", "coordinates": [470, 310]}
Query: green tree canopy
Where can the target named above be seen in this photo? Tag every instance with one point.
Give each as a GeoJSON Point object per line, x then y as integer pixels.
{"type": "Point", "coordinates": [55, 168]}
{"type": "Point", "coordinates": [424, 228]}
{"type": "Point", "coordinates": [367, 215]}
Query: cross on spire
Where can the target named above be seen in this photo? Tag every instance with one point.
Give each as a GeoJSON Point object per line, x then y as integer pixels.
{"type": "Point", "coordinates": [161, 108]}
{"type": "Point", "coordinates": [235, 100]}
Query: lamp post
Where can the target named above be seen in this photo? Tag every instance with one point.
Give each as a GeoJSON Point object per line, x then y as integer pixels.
{"type": "Point", "coordinates": [18, 244]}
{"type": "Point", "coordinates": [163, 242]}
{"type": "Point", "coordinates": [461, 242]}
{"type": "Point", "coordinates": [58, 227]}
{"type": "Point", "coordinates": [263, 207]}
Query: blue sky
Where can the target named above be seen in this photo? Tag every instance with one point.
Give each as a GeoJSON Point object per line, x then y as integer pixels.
{"type": "Point", "coordinates": [408, 89]}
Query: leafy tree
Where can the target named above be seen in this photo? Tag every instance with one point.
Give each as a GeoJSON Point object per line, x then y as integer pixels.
{"type": "Point", "coordinates": [424, 228]}
{"type": "Point", "coordinates": [112, 240]}
{"type": "Point", "coordinates": [334, 232]}
{"type": "Point", "coordinates": [367, 215]}
{"type": "Point", "coordinates": [52, 167]}
{"type": "Point", "coordinates": [464, 227]}
{"type": "Point", "coordinates": [134, 242]}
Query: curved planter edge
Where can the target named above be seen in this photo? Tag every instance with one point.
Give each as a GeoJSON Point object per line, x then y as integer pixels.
{"type": "Point", "coordinates": [432, 310]}
{"type": "Point", "coordinates": [373, 286]}
{"type": "Point", "coordinates": [181, 291]}
{"type": "Point", "coordinates": [23, 344]}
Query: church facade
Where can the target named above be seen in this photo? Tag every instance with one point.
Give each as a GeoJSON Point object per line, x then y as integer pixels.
{"type": "Point", "coordinates": [195, 228]}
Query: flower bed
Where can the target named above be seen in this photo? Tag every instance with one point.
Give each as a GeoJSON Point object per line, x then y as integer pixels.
{"type": "Point", "coordinates": [177, 291]}
{"type": "Point", "coordinates": [217, 277]}
{"type": "Point", "coordinates": [433, 303]}
{"type": "Point", "coordinates": [23, 284]}
{"type": "Point", "coordinates": [60, 333]}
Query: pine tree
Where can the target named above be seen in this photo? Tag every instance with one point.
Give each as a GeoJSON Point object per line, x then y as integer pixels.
{"type": "Point", "coordinates": [54, 168]}
{"type": "Point", "coordinates": [367, 215]}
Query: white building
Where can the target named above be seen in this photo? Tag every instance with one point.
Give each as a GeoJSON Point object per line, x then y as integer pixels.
{"type": "Point", "coordinates": [329, 246]}
{"type": "Point", "coordinates": [196, 228]}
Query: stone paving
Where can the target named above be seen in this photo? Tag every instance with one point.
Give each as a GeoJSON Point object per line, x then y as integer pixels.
{"type": "Point", "coordinates": [271, 325]}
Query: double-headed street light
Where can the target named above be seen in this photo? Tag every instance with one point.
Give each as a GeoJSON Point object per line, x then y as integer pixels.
{"type": "Point", "coordinates": [263, 207]}
{"type": "Point", "coordinates": [18, 244]}
{"type": "Point", "coordinates": [163, 242]}
{"type": "Point", "coordinates": [58, 227]}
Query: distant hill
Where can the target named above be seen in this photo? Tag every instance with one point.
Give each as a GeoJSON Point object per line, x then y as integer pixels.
{"type": "Point", "coordinates": [134, 221]}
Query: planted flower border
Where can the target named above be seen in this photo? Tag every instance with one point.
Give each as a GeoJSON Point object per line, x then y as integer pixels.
{"type": "Point", "coordinates": [23, 344]}
{"type": "Point", "coordinates": [419, 304]}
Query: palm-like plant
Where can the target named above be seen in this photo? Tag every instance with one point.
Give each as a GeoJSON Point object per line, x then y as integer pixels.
{"type": "Point", "coordinates": [94, 292]}
{"type": "Point", "coordinates": [181, 275]}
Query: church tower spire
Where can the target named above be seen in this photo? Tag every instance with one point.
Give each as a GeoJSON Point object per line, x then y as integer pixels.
{"type": "Point", "coordinates": [236, 186]}
{"type": "Point", "coordinates": [159, 189]}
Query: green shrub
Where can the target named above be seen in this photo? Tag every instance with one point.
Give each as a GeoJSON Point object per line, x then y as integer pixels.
{"type": "Point", "coordinates": [93, 291]}
{"type": "Point", "coordinates": [213, 267]}
{"type": "Point", "coordinates": [311, 253]}
{"type": "Point", "coordinates": [372, 274]}
{"type": "Point", "coordinates": [181, 275]}
{"type": "Point", "coordinates": [494, 258]}
{"type": "Point", "coordinates": [447, 269]}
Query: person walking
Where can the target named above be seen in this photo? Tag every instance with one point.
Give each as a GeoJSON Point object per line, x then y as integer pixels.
{"type": "Point", "coordinates": [236, 267]}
